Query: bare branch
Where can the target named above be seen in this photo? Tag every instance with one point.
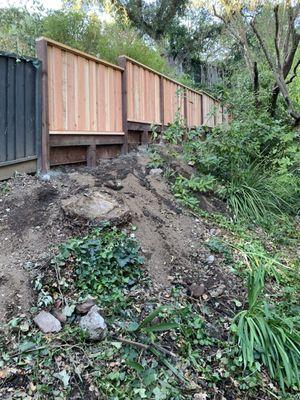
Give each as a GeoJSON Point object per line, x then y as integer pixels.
{"type": "Point", "coordinates": [294, 73]}
{"type": "Point", "coordinates": [276, 39]}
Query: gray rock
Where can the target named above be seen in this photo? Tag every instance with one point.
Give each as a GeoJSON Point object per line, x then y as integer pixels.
{"type": "Point", "coordinates": [59, 315]}
{"type": "Point", "coordinates": [218, 291]}
{"type": "Point", "coordinates": [84, 308]}
{"type": "Point", "coordinates": [210, 259]}
{"type": "Point", "coordinates": [96, 206]}
{"type": "Point", "coordinates": [114, 185]}
{"type": "Point", "coordinates": [155, 171]}
{"type": "Point", "coordinates": [197, 290]}
{"type": "Point", "coordinates": [47, 322]}
{"type": "Point", "coordinates": [93, 324]}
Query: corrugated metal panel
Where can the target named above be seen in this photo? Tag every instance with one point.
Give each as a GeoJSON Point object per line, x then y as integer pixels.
{"type": "Point", "coordinates": [20, 109]}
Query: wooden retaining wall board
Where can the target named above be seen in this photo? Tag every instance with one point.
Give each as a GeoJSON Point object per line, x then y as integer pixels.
{"type": "Point", "coordinates": [20, 114]}
{"type": "Point", "coordinates": [82, 95]}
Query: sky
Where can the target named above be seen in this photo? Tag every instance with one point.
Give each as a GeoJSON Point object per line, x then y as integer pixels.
{"type": "Point", "coordinates": [55, 4]}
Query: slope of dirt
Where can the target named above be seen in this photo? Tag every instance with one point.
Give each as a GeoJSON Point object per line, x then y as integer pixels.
{"type": "Point", "coordinates": [32, 222]}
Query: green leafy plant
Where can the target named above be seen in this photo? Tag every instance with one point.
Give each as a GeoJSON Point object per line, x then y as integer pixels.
{"type": "Point", "coordinates": [175, 132]}
{"type": "Point", "coordinates": [156, 160]}
{"type": "Point", "coordinates": [252, 194]}
{"type": "Point", "coordinates": [105, 262]}
{"type": "Point", "coordinates": [265, 337]}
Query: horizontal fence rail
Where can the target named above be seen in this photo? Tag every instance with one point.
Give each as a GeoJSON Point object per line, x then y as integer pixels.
{"type": "Point", "coordinates": [20, 114]}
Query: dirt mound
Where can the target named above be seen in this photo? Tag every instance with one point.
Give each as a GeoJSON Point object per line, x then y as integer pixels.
{"type": "Point", "coordinates": [33, 221]}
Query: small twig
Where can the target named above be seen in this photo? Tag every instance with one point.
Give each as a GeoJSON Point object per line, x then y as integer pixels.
{"type": "Point", "coordinates": [132, 343]}
{"type": "Point", "coordinates": [166, 351]}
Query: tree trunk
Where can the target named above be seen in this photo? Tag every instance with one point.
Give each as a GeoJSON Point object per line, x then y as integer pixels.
{"type": "Point", "coordinates": [256, 84]}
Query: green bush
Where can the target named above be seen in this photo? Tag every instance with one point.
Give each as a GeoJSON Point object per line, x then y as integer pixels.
{"type": "Point", "coordinates": [253, 194]}
{"type": "Point", "coordinates": [255, 161]}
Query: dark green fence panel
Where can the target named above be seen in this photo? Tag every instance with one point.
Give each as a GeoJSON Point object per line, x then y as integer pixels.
{"type": "Point", "coordinates": [20, 113]}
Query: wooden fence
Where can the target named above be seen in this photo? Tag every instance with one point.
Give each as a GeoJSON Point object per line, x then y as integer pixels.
{"type": "Point", "coordinates": [153, 98]}
{"type": "Point", "coordinates": [20, 114]}
{"type": "Point", "coordinates": [82, 105]}
{"type": "Point", "coordinates": [92, 108]}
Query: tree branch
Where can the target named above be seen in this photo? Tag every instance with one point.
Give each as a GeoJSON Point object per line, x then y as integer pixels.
{"type": "Point", "coordinates": [276, 39]}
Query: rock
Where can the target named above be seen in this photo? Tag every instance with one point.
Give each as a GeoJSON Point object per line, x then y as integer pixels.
{"type": "Point", "coordinates": [59, 315]}
{"type": "Point", "coordinates": [93, 324]}
{"type": "Point", "coordinates": [82, 179]}
{"type": "Point", "coordinates": [196, 290]}
{"type": "Point", "coordinates": [84, 308]}
{"type": "Point", "coordinates": [96, 206]}
{"type": "Point", "coordinates": [210, 259]}
{"type": "Point", "coordinates": [114, 185]}
{"type": "Point", "coordinates": [156, 172]}
{"type": "Point", "coordinates": [47, 322]}
{"type": "Point", "coordinates": [200, 396]}
{"type": "Point", "coordinates": [218, 291]}
{"type": "Point", "coordinates": [215, 232]}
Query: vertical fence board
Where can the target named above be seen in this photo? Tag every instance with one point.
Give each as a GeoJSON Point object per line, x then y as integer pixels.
{"type": "Point", "coordinates": [3, 108]}
{"type": "Point", "coordinates": [11, 94]}
{"type": "Point", "coordinates": [30, 128]}
{"type": "Point", "coordinates": [20, 111]}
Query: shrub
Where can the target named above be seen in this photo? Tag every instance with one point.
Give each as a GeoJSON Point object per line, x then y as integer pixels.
{"type": "Point", "coordinates": [253, 194]}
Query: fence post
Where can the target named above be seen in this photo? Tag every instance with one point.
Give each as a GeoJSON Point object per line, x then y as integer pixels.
{"type": "Point", "coordinates": [161, 102]}
{"type": "Point", "coordinates": [202, 110]}
{"type": "Point", "coordinates": [216, 109]}
{"type": "Point", "coordinates": [123, 64]}
{"type": "Point", "coordinates": [185, 112]}
{"type": "Point", "coordinates": [41, 50]}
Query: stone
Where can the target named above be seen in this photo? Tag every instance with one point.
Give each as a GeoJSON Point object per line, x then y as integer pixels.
{"type": "Point", "coordinates": [84, 180]}
{"type": "Point", "coordinates": [210, 259]}
{"type": "Point", "coordinates": [156, 171]}
{"type": "Point", "coordinates": [200, 396]}
{"type": "Point", "coordinates": [114, 185]}
{"type": "Point", "coordinates": [96, 206]}
{"type": "Point", "coordinates": [47, 323]}
{"type": "Point", "coordinates": [93, 324]}
{"type": "Point", "coordinates": [84, 308]}
{"type": "Point", "coordinates": [196, 290]}
{"type": "Point", "coordinates": [218, 291]}
{"type": "Point", "coordinates": [59, 315]}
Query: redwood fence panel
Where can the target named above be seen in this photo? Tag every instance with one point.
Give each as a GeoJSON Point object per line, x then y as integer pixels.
{"type": "Point", "coordinates": [153, 98]}
{"type": "Point", "coordinates": [82, 96]}
{"type": "Point", "coordinates": [194, 108]}
{"type": "Point", "coordinates": [84, 93]}
{"type": "Point", "coordinates": [209, 110]}
{"type": "Point", "coordinates": [143, 93]}
{"type": "Point", "coordinates": [20, 114]}
{"type": "Point", "coordinates": [173, 100]}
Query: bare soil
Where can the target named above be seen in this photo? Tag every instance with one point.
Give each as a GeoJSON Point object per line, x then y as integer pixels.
{"type": "Point", "coordinates": [32, 224]}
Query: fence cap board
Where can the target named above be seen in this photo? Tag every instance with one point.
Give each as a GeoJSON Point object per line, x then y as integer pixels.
{"type": "Point", "coordinates": [79, 53]}
{"type": "Point", "coordinates": [167, 77]}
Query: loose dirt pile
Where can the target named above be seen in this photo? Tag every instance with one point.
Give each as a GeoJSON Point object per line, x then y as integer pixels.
{"type": "Point", "coordinates": [33, 222]}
